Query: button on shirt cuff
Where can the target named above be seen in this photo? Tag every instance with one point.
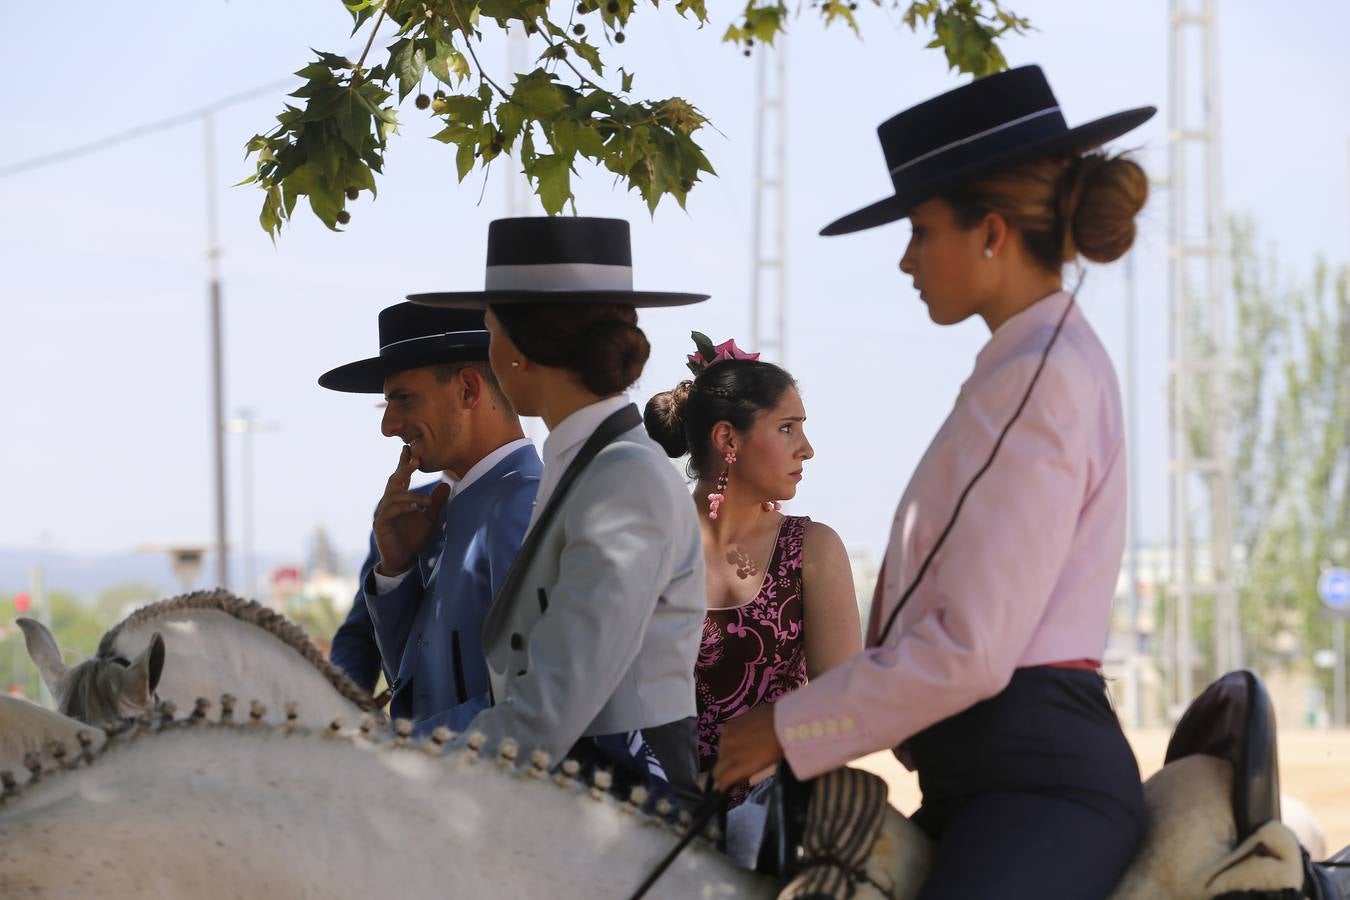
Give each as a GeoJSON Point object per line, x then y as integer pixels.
{"type": "Point", "coordinates": [810, 741]}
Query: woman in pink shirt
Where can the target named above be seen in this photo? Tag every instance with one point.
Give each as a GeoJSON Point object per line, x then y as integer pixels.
{"type": "Point", "coordinates": [991, 613]}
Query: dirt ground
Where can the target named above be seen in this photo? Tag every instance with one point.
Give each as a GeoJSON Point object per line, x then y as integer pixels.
{"type": "Point", "coordinates": [1314, 767]}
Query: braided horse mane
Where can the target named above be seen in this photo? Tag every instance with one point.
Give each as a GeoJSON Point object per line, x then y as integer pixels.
{"type": "Point", "coordinates": [254, 613]}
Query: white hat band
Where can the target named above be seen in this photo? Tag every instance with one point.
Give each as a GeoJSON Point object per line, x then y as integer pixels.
{"type": "Point", "coordinates": [568, 277]}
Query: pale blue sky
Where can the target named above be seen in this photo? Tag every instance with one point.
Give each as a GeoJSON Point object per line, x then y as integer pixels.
{"type": "Point", "coordinates": [103, 306]}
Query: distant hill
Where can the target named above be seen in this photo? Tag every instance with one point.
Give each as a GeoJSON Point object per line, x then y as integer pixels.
{"type": "Point", "coordinates": [87, 575]}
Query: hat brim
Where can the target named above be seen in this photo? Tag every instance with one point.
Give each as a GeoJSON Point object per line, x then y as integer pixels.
{"type": "Point", "coordinates": [1076, 140]}
{"type": "Point", "coordinates": [366, 376]}
{"type": "Point", "coordinates": [484, 299]}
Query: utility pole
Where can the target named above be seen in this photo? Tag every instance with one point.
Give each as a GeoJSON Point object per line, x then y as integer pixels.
{"type": "Point", "coordinates": [768, 275]}
{"type": "Point", "coordinates": [1200, 444]}
{"type": "Point", "coordinates": [42, 611]}
{"type": "Point", "coordinates": [217, 355]}
{"type": "Point", "coordinates": [1135, 657]}
{"type": "Point", "coordinates": [247, 425]}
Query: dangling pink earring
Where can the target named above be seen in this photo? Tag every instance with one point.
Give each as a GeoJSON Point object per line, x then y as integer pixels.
{"type": "Point", "coordinates": [772, 506]}
{"type": "Point", "coordinates": [720, 492]}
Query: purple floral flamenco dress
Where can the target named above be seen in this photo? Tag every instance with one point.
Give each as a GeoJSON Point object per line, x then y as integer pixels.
{"type": "Point", "coordinates": [753, 653]}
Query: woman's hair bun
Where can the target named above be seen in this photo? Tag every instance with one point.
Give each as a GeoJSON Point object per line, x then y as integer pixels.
{"type": "Point", "coordinates": [1100, 197]}
{"type": "Point", "coordinates": [665, 419]}
{"type": "Point", "coordinates": [609, 355]}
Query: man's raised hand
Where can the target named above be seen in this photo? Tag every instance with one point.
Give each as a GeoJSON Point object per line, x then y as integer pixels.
{"type": "Point", "coordinates": [405, 521]}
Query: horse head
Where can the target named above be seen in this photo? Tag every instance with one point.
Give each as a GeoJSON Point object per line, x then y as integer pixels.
{"type": "Point", "coordinates": [104, 690]}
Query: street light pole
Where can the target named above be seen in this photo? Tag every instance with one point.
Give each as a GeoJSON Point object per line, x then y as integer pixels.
{"type": "Point", "coordinates": [217, 355]}
{"type": "Point", "coordinates": [245, 424]}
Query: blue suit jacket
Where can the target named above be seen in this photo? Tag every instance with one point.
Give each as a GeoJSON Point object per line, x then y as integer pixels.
{"type": "Point", "coordinates": [354, 650]}
{"type": "Point", "coordinates": [428, 629]}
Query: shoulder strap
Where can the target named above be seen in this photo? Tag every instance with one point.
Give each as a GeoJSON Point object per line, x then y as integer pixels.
{"type": "Point", "coordinates": [622, 421]}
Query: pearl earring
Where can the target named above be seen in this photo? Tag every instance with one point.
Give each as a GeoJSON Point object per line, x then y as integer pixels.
{"type": "Point", "coordinates": [988, 253]}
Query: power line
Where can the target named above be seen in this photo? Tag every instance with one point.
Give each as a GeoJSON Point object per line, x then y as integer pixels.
{"type": "Point", "coordinates": [131, 134]}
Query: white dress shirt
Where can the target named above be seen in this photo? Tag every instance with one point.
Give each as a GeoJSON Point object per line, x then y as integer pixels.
{"type": "Point", "coordinates": [564, 443]}
{"type": "Point", "coordinates": [386, 583]}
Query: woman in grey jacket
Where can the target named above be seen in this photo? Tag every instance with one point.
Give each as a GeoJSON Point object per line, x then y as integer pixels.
{"type": "Point", "coordinates": [591, 641]}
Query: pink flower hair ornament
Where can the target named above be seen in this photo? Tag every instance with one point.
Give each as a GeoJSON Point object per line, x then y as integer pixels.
{"type": "Point", "coordinates": [708, 355]}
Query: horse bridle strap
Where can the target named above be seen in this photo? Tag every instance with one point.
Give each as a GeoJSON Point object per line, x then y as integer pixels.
{"type": "Point", "coordinates": [713, 803]}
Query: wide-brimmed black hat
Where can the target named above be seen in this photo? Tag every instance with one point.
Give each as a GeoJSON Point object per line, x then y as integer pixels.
{"type": "Point", "coordinates": [557, 259]}
{"type": "Point", "coordinates": [411, 337]}
{"type": "Point", "coordinates": [974, 130]}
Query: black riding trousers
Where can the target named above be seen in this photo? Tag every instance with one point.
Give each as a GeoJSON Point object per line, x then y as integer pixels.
{"type": "Point", "coordinates": [1033, 793]}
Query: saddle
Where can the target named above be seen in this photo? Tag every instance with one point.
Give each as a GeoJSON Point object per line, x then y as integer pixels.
{"type": "Point", "coordinates": [1234, 720]}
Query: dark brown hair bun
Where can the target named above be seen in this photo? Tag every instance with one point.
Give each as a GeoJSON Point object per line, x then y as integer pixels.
{"type": "Point", "coordinates": [1064, 207]}
{"type": "Point", "coordinates": [599, 342]}
{"type": "Point", "coordinates": [1101, 196]}
{"type": "Point", "coordinates": [665, 417]}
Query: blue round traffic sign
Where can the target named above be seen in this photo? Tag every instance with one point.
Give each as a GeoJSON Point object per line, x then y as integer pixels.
{"type": "Point", "coordinates": [1334, 588]}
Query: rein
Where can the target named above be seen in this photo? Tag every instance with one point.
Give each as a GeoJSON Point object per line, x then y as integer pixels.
{"type": "Point", "coordinates": [712, 804]}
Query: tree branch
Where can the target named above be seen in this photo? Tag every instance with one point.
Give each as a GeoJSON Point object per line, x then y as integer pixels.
{"type": "Point", "coordinates": [468, 45]}
{"type": "Point", "coordinates": [362, 61]}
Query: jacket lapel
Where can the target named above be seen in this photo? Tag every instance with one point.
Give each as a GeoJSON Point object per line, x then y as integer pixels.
{"type": "Point", "coordinates": [622, 421]}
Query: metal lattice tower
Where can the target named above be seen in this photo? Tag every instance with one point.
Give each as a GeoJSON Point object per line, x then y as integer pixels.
{"type": "Point", "coordinates": [517, 187]}
{"type": "Point", "coordinates": [1200, 469]}
{"type": "Point", "coordinates": [768, 275]}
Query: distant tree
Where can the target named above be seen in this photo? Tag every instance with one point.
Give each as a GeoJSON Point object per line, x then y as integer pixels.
{"type": "Point", "coordinates": [330, 148]}
{"type": "Point", "coordinates": [115, 602]}
{"type": "Point", "coordinates": [1291, 433]}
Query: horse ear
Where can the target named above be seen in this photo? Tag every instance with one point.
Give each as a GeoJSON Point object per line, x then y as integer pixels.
{"type": "Point", "coordinates": [142, 676]}
{"type": "Point", "coordinates": [44, 652]}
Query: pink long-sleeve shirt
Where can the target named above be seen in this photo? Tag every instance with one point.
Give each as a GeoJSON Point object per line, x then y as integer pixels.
{"type": "Point", "coordinates": [1026, 576]}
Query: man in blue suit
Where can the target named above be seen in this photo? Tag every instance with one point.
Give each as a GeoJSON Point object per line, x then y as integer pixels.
{"type": "Point", "coordinates": [426, 608]}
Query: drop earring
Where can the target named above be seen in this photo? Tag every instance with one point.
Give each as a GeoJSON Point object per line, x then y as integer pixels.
{"type": "Point", "coordinates": [720, 492]}
{"type": "Point", "coordinates": [772, 506]}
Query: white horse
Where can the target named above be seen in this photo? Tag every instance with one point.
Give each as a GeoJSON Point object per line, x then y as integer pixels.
{"type": "Point", "coordinates": [197, 645]}
{"type": "Point", "coordinates": [244, 810]}
{"type": "Point", "coordinates": [226, 810]}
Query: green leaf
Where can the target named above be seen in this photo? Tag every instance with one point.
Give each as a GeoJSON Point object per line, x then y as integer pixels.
{"type": "Point", "coordinates": [459, 107]}
{"type": "Point", "coordinates": [353, 121]}
{"type": "Point", "coordinates": [553, 180]}
{"type": "Point", "coordinates": [570, 137]}
{"type": "Point", "coordinates": [464, 160]}
{"type": "Point", "coordinates": [510, 120]}
{"type": "Point", "coordinates": [704, 345]}
{"type": "Point", "coordinates": [407, 61]}
{"type": "Point", "coordinates": [538, 96]}
{"type": "Point", "coordinates": [456, 133]}
{"type": "Point", "coordinates": [270, 217]}
{"type": "Point", "coordinates": [448, 65]}
{"type": "Point", "coordinates": [316, 72]}
{"type": "Point", "coordinates": [589, 53]}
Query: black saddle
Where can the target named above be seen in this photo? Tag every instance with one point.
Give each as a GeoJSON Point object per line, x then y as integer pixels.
{"type": "Point", "coordinates": [1233, 719]}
